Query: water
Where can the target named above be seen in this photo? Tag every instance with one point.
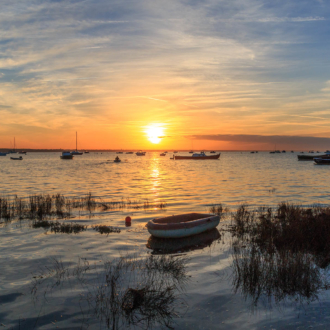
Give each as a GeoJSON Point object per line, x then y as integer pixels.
{"type": "Point", "coordinates": [261, 179]}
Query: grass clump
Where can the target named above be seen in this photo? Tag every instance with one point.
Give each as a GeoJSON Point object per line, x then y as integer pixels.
{"type": "Point", "coordinates": [103, 229]}
{"type": "Point", "coordinates": [58, 227]}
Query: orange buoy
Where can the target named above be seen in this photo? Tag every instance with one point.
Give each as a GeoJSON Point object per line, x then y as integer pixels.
{"type": "Point", "coordinates": [128, 220]}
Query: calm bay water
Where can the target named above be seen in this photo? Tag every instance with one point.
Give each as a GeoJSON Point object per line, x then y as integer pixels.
{"type": "Point", "coordinates": [256, 179]}
{"type": "Point", "coordinates": [261, 179]}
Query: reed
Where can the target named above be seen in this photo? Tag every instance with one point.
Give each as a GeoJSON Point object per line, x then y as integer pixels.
{"type": "Point", "coordinates": [47, 207]}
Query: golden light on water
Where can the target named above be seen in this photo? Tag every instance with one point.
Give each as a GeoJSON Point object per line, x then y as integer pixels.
{"type": "Point", "coordinates": [154, 132]}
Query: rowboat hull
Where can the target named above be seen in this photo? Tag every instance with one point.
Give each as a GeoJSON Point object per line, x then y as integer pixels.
{"type": "Point", "coordinates": [197, 158]}
{"type": "Point", "coordinates": [184, 225]}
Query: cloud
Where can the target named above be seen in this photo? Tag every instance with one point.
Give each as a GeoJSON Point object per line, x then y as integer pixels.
{"type": "Point", "coordinates": [291, 19]}
{"type": "Point", "coordinates": [269, 141]}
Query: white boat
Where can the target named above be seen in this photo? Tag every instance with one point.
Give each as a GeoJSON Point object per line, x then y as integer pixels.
{"type": "Point", "coordinates": [182, 225]}
{"type": "Point", "coordinates": [66, 155]}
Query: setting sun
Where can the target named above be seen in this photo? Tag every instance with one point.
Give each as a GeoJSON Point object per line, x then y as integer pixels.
{"type": "Point", "coordinates": [154, 132]}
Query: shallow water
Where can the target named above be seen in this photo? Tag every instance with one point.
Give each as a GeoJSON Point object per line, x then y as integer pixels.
{"type": "Point", "coordinates": [261, 179]}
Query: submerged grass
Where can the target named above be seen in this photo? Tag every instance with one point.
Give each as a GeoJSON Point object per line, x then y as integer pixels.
{"type": "Point", "coordinates": [58, 227]}
{"type": "Point", "coordinates": [104, 229]}
{"type": "Point", "coordinates": [129, 291]}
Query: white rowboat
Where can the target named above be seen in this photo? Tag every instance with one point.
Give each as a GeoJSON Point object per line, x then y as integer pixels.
{"type": "Point", "coordinates": [183, 225]}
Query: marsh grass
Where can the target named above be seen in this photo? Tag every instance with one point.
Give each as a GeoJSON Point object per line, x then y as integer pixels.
{"type": "Point", "coordinates": [280, 253]}
{"type": "Point", "coordinates": [128, 291]}
{"type": "Point", "coordinates": [47, 207]}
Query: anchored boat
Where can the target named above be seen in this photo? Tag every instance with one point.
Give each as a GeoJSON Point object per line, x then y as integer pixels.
{"type": "Point", "coordinates": [183, 225]}
{"type": "Point", "coordinates": [196, 156]}
{"type": "Point", "coordinates": [66, 155]}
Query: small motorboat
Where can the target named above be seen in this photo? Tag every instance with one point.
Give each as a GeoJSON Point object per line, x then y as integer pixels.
{"type": "Point", "coordinates": [16, 158]}
{"type": "Point", "coordinates": [76, 152]}
{"type": "Point", "coordinates": [175, 152]}
{"type": "Point", "coordinates": [66, 155]}
{"type": "Point", "coordinates": [191, 152]}
{"type": "Point", "coordinates": [322, 161]}
{"type": "Point", "coordinates": [119, 152]}
{"type": "Point", "coordinates": [117, 160]}
{"type": "Point", "coordinates": [22, 152]}
{"type": "Point", "coordinates": [140, 153]}
{"type": "Point", "coordinates": [196, 156]}
{"type": "Point", "coordinates": [212, 152]}
{"type": "Point", "coordinates": [163, 154]}
{"type": "Point", "coordinates": [129, 153]}
{"type": "Point", "coordinates": [182, 225]}
{"type": "Point", "coordinates": [86, 152]}
{"type": "Point", "coordinates": [3, 154]}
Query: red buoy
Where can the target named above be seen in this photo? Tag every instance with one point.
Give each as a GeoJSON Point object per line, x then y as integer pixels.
{"type": "Point", "coordinates": [128, 220]}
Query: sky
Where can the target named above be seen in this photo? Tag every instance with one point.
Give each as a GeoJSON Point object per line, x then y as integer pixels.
{"type": "Point", "coordinates": [183, 74]}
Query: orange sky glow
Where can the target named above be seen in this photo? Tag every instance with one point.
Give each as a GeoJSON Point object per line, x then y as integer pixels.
{"type": "Point", "coordinates": [150, 78]}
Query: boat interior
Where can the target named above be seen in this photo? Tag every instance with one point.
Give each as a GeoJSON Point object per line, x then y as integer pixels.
{"type": "Point", "coordinates": [182, 218]}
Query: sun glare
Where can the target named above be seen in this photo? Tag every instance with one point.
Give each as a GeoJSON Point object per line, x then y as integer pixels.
{"type": "Point", "coordinates": [154, 132]}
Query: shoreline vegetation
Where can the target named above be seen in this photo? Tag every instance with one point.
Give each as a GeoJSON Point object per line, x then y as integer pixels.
{"type": "Point", "coordinates": [281, 253]}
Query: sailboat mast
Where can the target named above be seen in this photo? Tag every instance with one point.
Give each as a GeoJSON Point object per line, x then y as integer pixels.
{"type": "Point", "coordinates": [76, 142]}
{"type": "Point", "coordinates": [14, 144]}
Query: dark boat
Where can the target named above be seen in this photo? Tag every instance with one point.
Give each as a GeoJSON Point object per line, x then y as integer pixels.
{"type": "Point", "coordinates": [212, 152]}
{"type": "Point", "coordinates": [16, 158]}
{"type": "Point", "coordinates": [200, 156]}
{"type": "Point", "coordinates": [309, 157]}
{"type": "Point", "coordinates": [66, 155]}
{"type": "Point", "coordinates": [322, 161]}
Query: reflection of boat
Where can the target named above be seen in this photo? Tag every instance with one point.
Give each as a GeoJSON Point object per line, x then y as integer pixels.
{"type": "Point", "coordinates": [322, 161]}
{"type": "Point", "coordinates": [182, 225]}
{"type": "Point", "coordinates": [76, 152]}
{"type": "Point", "coordinates": [16, 158]}
{"type": "Point", "coordinates": [199, 156]}
{"type": "Point", "coordinates": [117, 160]}
{"type": "Point", "coordinates": [163, 154]}
{"type": "Point", "coordinates": [140, 153]}
{"type": "Point", "coordinates": [66, 155]}
{"type": "Point", "coordinates": [174, 245]}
